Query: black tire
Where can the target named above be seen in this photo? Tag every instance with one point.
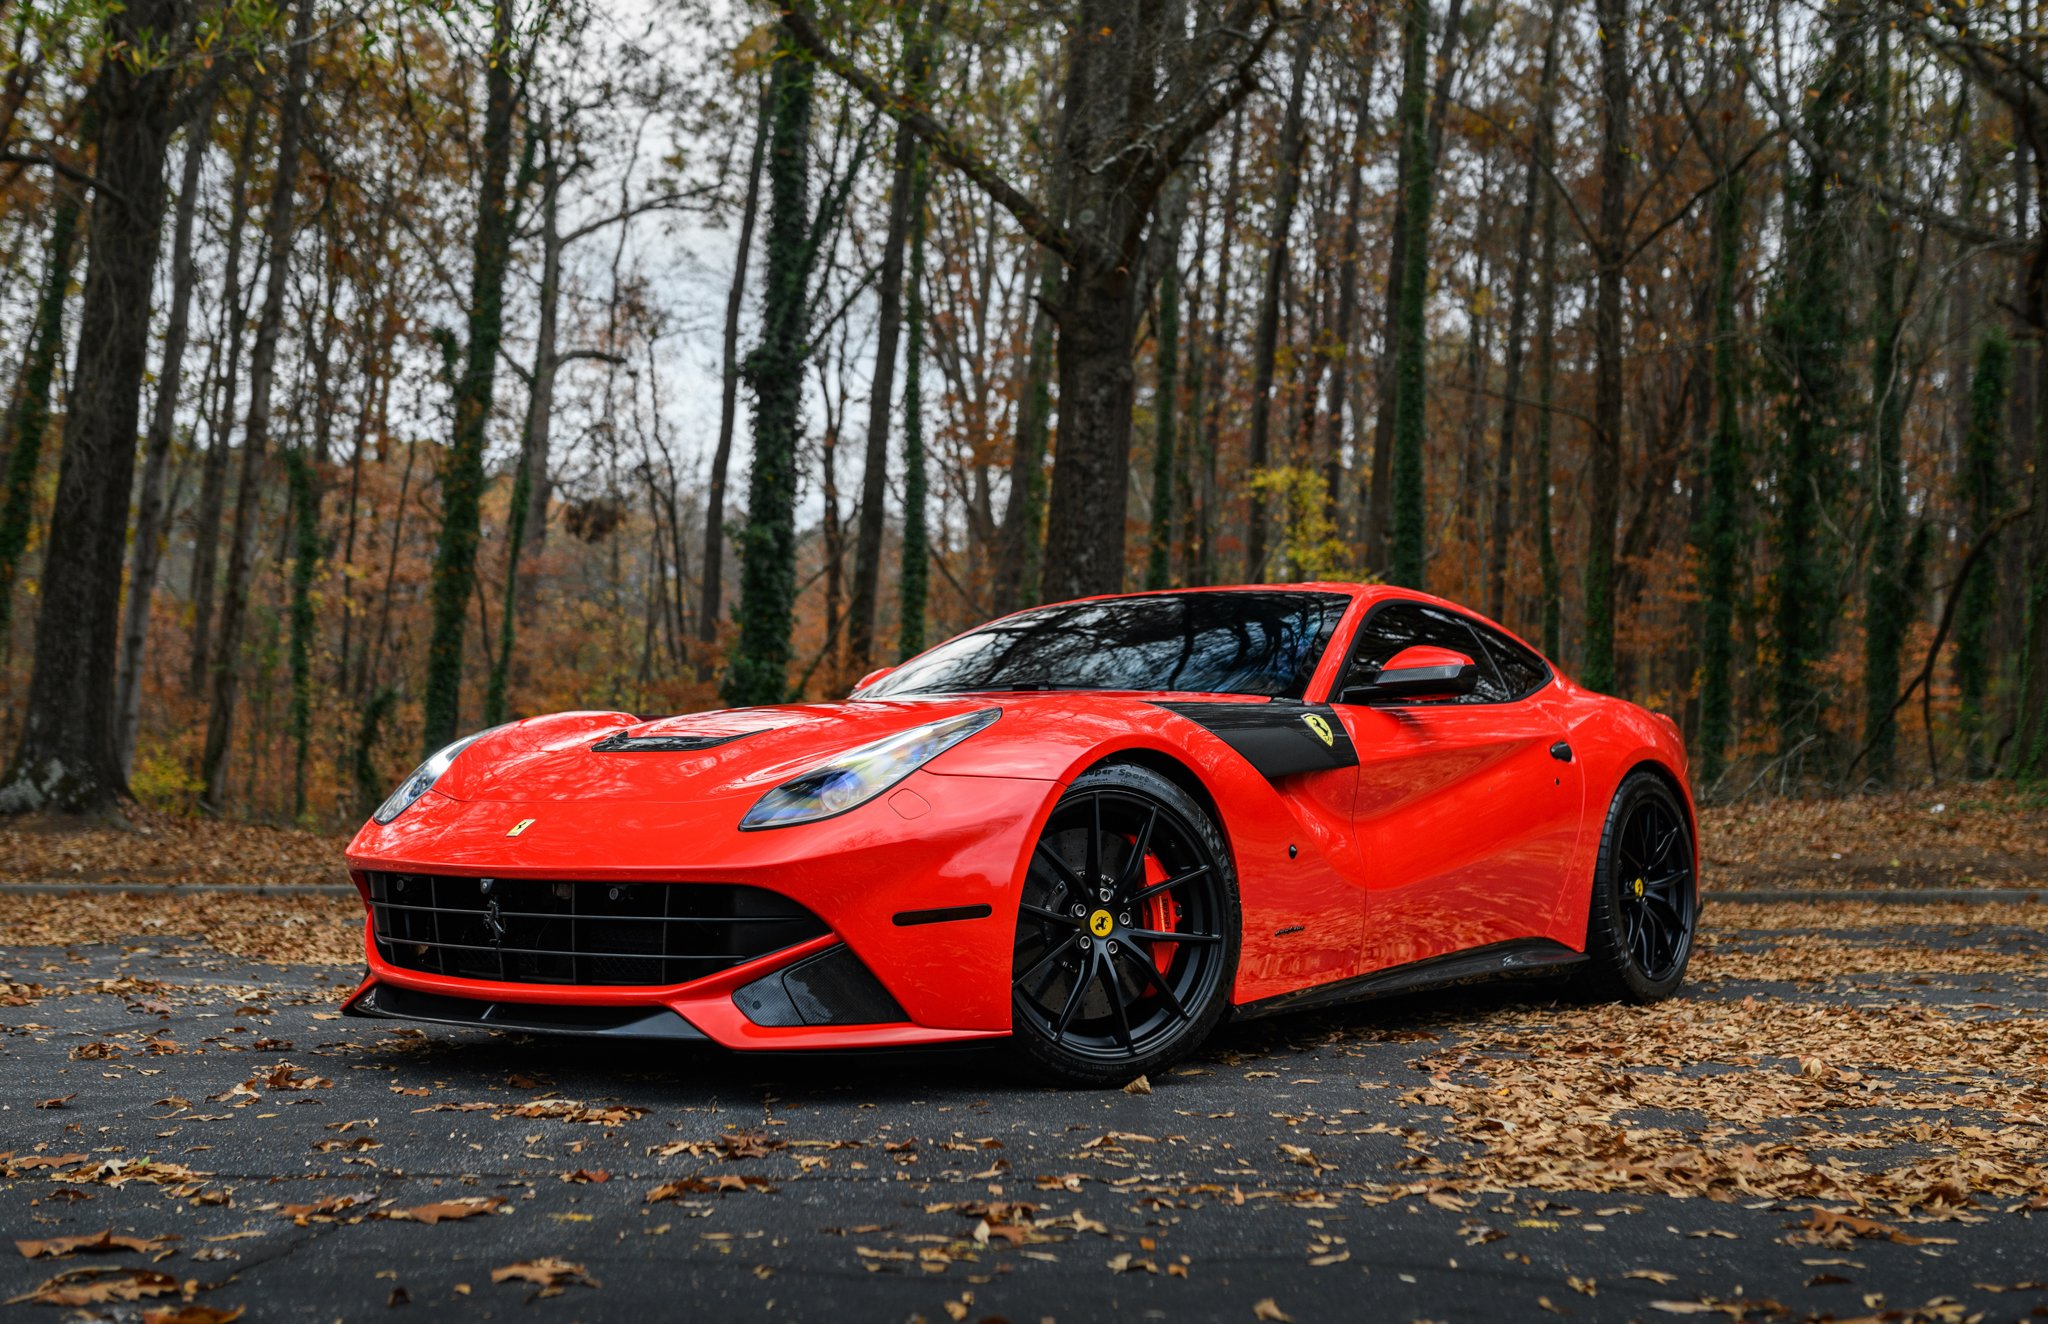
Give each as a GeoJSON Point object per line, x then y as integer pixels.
{"type": "Point", "coordinates": [1645, 903]}
{"type": "Point", "coordinates": [1097, 997]}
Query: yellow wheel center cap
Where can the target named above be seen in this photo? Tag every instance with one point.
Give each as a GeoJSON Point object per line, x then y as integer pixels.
{"type": "Point", "coordinates": [1100, 923]}
{"type": "Point", "coordinates": [1639, 889]}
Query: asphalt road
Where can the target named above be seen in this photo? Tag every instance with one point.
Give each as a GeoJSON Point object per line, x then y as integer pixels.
{"type": "Point", "coordinates": [1263, 1180]}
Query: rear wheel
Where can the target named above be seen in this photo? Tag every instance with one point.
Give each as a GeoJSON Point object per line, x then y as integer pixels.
{"type": "Point", "coordinates": [1127, 935]}
{"type": "Point", "coordinates": [1645, 902]}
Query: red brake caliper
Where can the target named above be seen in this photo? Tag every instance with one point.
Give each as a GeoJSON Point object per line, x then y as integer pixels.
{"type": "Point", "coordinates": [1160, 913]}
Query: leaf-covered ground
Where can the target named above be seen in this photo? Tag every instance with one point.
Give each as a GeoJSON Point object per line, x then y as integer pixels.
{"type": "Point", "coordinates": [1844, 1117]}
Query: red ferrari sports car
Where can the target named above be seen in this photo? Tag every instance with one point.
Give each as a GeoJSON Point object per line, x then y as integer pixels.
{"type": "Point", "coordinates": [1094, 829]}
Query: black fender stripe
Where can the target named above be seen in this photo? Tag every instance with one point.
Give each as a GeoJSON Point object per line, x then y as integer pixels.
{"type": "Point", "coordinates": [1277, 739]}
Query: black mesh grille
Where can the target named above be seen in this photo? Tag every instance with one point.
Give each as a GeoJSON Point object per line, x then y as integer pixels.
{"type": "Point", "coordinates": [528, 931]}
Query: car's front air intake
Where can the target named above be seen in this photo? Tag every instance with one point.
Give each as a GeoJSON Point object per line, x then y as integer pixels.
{"type": "Point", "coordinates": [528, 931]}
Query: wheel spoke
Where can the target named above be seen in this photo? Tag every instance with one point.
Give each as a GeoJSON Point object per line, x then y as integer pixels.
{"type": "Point", "coordinates": [1059, 950]}
{"type": "Point", "coordinates": [1133, 871]}
{"type": "Point", "coordinates": [1159, 935]}
{"type": "Point", "coordinates": [1068, 878]}
{"type": "Point", "coordinates": [1049, 916]}
{"type": "Point", "coordinates": [1169, 884]}
{"type": "Point", "coordinates": [1074, 997]}
{"type": "Point", "coordinates": [1667, 915]}
{"type": "Point", "coordinates": [1663, 850]}
{"type": "Point", "coordinates": [1113, 984]}
{"type": "Point", "coordinates": [1091, 872]}
{"type": "Point", "coordinates": [1157, 981]}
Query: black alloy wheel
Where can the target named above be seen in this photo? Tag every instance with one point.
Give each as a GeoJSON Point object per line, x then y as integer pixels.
{"type": "Point", "coordinates": [1645, 903]}
{"type": "Point", "coordinates": [1127, 933]}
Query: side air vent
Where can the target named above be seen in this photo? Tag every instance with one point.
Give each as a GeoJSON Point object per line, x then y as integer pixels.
{"type": "Point", "coordinates": [831, 988]}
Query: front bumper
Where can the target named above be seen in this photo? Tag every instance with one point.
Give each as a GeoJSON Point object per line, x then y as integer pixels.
{"type": "Point", "coordinates": [920, 886]}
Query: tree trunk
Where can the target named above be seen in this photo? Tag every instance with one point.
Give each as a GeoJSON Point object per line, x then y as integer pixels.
{"type": "Point", "coordinates": [529, 501]}
{"type": "Point", "coordinates": [1203, 571]}
{"type": "Point", "coordinates": [1810, 328]}
{"type": "Point", "coordinates": [1981, 491]}
{"type": "Point", "coordinates": [1165, 409]}
{"type": "Point", "coordinates": [1265, 333]}
{"type": "Point", "coordinates": [1535, 181]}
{"type": "Point", "coordinates": [1610, 244]}
{"type": "Point", "coordinates": [1720, 548]}
{"type": "Point", "coordinates": [67, 758]}
{"type": "Point", "coordinates": [1023, 531]}
{"type": "Point", "coordinates": [1886, 611]}
{"type": "Point", "coordinates": [914, 578]}
{"type": "Point", "coordinates": [1379, 513]}
{"type": "Point", "coordinates": [278, 227]}
{"type": "Point", "coordinates": [151, 514]}
{"type": "Point", "coordinates": [1084, 535]}
{"type": "Point", "coordinates": [28, 416]}
{"type": "Point", "coordinates": [758, 671]}
{"type": "Point", "coordinates": [874, 482]}
{"type": "Point", "coordinates": [711, 598]}
{"type": "Point", "coordinates": [462, 470]}
{"type": "Point", "coordinates": [1405, 550]}
{"type": "Point", "coordinates": [1550, 591]}
{"type": "Point", "coordinates": [1349, 259]}
{"type": "Point", "coordinates": [213, 476]}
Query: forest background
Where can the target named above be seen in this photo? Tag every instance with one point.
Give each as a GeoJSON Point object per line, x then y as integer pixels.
{"type": "Point", "coordinates": [378, 371]}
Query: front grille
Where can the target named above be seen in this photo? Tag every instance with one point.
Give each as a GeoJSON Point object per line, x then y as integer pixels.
{"type": "Point", "coordinates": [530, 931]}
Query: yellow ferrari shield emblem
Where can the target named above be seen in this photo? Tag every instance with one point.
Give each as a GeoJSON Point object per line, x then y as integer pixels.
{"type": "Point", "coordinates": [1100, 923]}
{"type": "Point", "coordinates": [1320, 727]}
{"type": "Point", "coordinates": [1639, 889]}
{"type": "Point", "coordinates": [519, 827]}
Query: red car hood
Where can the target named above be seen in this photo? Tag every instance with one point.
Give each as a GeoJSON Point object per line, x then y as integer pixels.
{"type": "Point", "coordinates": [554, 758]}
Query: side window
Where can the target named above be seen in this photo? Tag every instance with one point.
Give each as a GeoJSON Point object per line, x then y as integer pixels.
{"type": "Point", "coordinates": [1399, 625]}
{"type": "Point", "coordinates": [1521, 671]}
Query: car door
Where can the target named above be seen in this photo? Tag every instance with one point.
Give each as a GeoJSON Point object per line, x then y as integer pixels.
{"type": "Point", "coordinates": [1467, 809]}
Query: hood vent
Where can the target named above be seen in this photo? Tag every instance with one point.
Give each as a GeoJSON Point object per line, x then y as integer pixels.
{"type": "Point", "coordinates": [621, 743]}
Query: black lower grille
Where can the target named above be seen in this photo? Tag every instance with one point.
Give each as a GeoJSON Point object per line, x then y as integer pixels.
{"type": "Point", "coordinates": [530, 931]}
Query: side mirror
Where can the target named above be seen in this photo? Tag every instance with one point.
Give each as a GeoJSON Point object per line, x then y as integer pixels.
{"type": "Point", "coordinates": [872, 677]}
{"type": "Point", "coordinates": [1419, 672]}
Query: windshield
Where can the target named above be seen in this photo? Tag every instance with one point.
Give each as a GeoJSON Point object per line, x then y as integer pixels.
{"type": "Point", "coordinates": [1262, 643]}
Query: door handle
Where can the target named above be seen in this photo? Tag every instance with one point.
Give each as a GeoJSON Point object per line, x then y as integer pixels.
{"type": "Point", "coordinates": [1561, 751]}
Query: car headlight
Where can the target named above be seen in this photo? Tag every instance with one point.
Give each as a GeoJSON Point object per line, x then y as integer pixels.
{"type": "Point", "coordinates": [423, 778]}
{"type": "Point", "coordinates": [859, 775]}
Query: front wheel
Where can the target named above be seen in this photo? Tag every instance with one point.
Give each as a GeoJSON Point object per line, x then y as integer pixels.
{"type": "Point", "coordinates": [1127, 934]}
{"type": "Point", "coordinates": [1645, 903]}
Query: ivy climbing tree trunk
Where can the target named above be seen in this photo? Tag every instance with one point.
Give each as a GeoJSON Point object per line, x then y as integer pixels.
{"type": "Point", "coordinates": [1610, 256]}
{"type": "Point", "coordinates": [1721, 546]}
{"type": "Point", "coordinates": [758, 671]}
{"type": "Point", "coordinates": [1411, 404]}
{"type": "Point", "coordinates": [1809, 332]}
{"type": "Point", "coordinates": [462, 468]}
{"type": "Point", "coordinates": [28, 414]}
{"type": "Point", "coordinates": [67, 758]}
{"type": "Point", "coordinates": [279, 226]}
{"type": "Point", "coordinates": [1980, 482]}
